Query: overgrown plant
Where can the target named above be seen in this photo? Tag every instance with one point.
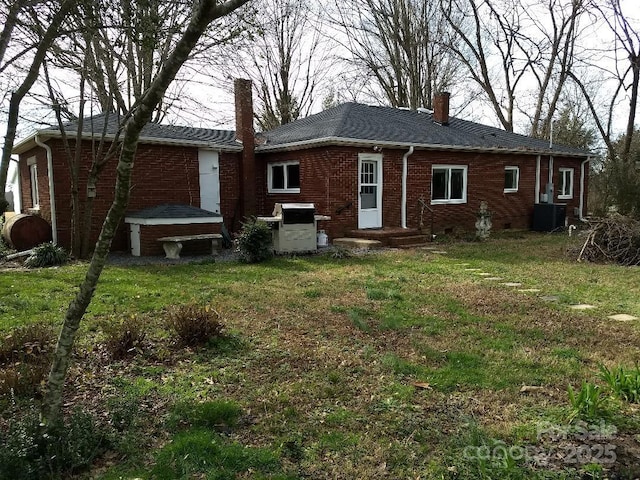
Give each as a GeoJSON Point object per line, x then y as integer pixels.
{"type": "Point", "coordinates": [623, 383]}
{"type": "Point", "coordinates": [254, 243]}
{"type": "Point", "coordinates": [194, 325]}
{"type": "Point", "coordinates": [126, 337]}
{"type": "Point", "coordinates": [24, 359]}
{"type": "Point", "coordinates": [31, 450]}
{"type": "Point", "coordinates": [47, 255]}
{"type": "Point", "coordinates": [588, 403]}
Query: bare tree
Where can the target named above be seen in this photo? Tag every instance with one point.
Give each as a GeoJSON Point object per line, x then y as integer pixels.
{"type": "Point", "coordinates": [399, 46]}
{"type": "Point", "coordinates": [285, 59]}
{"type": "Point", "coordinates": [204, 12]}
{"type": "Point", "coordinates": [507, 46]}
{"type": "Point", "coordinates": [45, 35]}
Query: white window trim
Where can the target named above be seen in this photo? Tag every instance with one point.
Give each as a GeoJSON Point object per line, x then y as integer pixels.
{"type": "Point", "coordinates": [464, 185]}
{"type": "Point", "coordinates": [562, 176]}
{"type": "Point", "coordinates": [270, 177]}
{"type": "Point", "coordinates": [517, 170]}
{"type": "Point", "coordinates": [33, 184]}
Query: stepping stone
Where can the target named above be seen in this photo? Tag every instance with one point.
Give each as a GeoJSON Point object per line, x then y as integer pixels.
{"type": "Point", "coordinates": [623, 317]}
{"type": "Point", "coordinates": [512, 284]}
{"type": "Point", "coordinates": [529, 290]}
{"type": "Point", "coordinates": [463, 265]}
{"type": "Point", "coordinates": [473, 269]}
{"type": "Point", "coordinates": [495, 279]}
{"type": "Point", "coordinates": [484, 274]}
{"type": "Point", "coordinates": [550, 298]}
{"type": "Point", "coordinates": [582, 306]}
{"type": "Point", "coordinates": [439, 252]}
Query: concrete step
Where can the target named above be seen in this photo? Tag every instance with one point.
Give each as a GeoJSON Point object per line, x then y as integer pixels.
{"type": "Point", "coordinates": [408, 240]}
{"type": "Point", "coordinates": [359, 243]}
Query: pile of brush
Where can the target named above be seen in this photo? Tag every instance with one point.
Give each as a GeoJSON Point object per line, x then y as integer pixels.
{"type": "Point", "coordinates": [614, 239]}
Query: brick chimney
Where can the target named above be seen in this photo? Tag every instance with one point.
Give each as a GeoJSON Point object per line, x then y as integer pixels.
{"type": "Point", "coordinates": [246, 135]}
{"type": "Point", "coordinates": [441, 108]}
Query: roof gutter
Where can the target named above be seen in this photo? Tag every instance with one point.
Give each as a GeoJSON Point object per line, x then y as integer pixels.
{"type": "Point", "coordinates": [44, 134]}
{"type": "Point", "coordinates": [405, 167]}
{"type": "Point", "coordinates": [355, 142]}
{"type": "Point", "coordinates": [52, 195]}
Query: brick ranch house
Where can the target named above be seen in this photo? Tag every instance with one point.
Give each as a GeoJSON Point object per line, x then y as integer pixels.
{"type": "Point", "coordinates": [367, 167]}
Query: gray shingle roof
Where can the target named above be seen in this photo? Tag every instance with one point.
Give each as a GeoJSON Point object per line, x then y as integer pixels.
{"type": "Point", "coordinates": [156, 131]}
{"type": "Point", "coordinates": [364, 123]}
{"type": "Point", "coordinates": [170, 210]}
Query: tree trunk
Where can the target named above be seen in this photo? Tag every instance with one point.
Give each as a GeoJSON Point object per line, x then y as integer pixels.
{"type": "Point", "coordinates": [204, 13]}
{"type": "Point", "coordinates": [17, 96]}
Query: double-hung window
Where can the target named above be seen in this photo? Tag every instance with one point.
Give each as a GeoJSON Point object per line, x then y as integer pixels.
{"type": "Point", "coordinates": [283, 177]}
{"type": "Point", "coordinates": [565, 190]}
{"type": "Point", "coordinates": [449, 184]}
{"type": "Point", "coordinates": [511, 179]}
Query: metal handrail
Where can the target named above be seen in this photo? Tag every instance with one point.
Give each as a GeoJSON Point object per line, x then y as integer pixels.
{"type": "Point", "coordinates": [424, 205]}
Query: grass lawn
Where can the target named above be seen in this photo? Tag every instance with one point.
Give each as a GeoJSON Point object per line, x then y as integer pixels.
{"type": "Point", "coordinates": [399, 364]}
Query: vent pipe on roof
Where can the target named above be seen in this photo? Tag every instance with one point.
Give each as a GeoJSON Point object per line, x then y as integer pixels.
{"type": "Point", "coordinates": [441, 108]}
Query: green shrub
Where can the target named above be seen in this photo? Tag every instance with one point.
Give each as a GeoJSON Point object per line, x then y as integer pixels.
{"type": "Point", "coordinates": [194, 325]}
{"type": "Point", "coordinates": [254, 243]}
{"type": "Point", "coordinates": [126, 337]}
{"type": "Point", "coordinates": [624, 384]}
{"type": "Point", "coordinates": [31, 450]}
{"type": "Point", "coordinates": [588, 403]}
{"type": "Point", "coordinates": [47, 255]}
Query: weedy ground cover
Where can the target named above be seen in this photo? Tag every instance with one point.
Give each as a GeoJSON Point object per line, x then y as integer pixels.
{"type": "Point", "coordinates": [397, 364]}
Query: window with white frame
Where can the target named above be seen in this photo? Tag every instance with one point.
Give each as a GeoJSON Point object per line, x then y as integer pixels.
{"type": "Point", "coordinates": [449, 184]}
{"type": "Point", "coordinates": [33, 182]}
{"type": "Point", "coordinates": [565, 190]}
{"type": "Point", "coordinates": [283, 177]}
{"type": "Point", "coordinates": [511, 179]}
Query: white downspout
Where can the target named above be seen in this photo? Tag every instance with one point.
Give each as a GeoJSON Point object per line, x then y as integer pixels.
{"type": "Point", "coordinates": [582, 180]}
{"type": "Point", "coordinates": [403, 203]}
{"type": "Point", "coordinates": [52, 196]}
{"type": "Point", "coordinates": [537, 189]}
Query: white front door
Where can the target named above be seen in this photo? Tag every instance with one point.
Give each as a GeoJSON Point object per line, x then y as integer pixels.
{"type": "Point", "coordinates": [208, 167]}
{"type": "Point", "coordinates": [370, 190]}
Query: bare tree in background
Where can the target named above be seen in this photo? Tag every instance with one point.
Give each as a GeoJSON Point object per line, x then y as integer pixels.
{"type": "Point", "coordinates": [124, 44]}
{"type": "Point", "coordinates": [41, 22]}
{"type": "Point", "coordinates": [204, 12]}
{"type": "Point", "coordinates": [617, 183]}
{"type": "Point", "coordinates": [506, 44]}
{"type": "Point", "coordinates": [399, 47]}
{"type": "Point", "coordinates": [285, 59]}
{"type": "Point", "coordinates": [116, 49]}
{"type": "Point", "coordinates": [625, 75]}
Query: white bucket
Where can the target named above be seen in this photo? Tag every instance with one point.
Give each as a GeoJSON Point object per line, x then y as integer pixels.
{"type": "Point", "coordinates": [323, 239]}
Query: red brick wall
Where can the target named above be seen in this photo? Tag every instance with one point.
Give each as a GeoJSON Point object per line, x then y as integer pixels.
{"type": "Point", "coordinates": [329, 179]}
{"type": "Point", "coordinates": [149, 235]}
{"type": "Point", "coordinates": [161, 174]}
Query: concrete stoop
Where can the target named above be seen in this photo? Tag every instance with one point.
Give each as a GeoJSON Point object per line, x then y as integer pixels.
{"type": "Point", "coordinates": [357, 243]}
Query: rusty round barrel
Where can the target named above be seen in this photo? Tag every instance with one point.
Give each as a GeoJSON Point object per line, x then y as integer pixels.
{"type": "Point", "coordinates": [25, 231]}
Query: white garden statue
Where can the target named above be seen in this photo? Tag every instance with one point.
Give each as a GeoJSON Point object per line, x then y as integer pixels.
{"type": "Point", "coordinates": [483, 224]}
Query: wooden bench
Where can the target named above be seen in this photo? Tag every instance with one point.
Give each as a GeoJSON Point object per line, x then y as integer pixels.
{"type": "Point", "coordinates": [173, 245]}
